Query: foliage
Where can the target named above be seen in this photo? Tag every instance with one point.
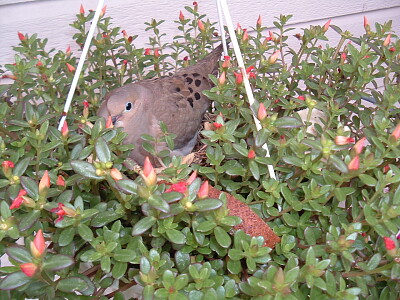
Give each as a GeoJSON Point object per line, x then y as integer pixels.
{"type": "Point", "coordinates": [335, 206]}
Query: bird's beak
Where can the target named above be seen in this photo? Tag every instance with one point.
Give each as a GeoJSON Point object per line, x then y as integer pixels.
{"type": "Point", "coordinates": [115, 118]}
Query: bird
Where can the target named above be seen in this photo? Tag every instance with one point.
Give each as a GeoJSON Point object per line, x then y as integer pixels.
{"type": "Point", "coordinates": [176, 100]}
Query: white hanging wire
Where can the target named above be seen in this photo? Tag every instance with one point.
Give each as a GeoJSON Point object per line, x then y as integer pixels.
{"type": "Point", "coordinates": [223, 5]}
{"type": "Point", "coordinates": [221, 27]}
{"type": "Point", "coordinates": [80, 63]}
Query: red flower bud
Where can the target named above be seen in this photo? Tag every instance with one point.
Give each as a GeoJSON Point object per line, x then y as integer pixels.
{"type": "Point", "coordinates": [245, 36]}
{"type": "Point", "coordinates": [302, 98]}
{"type": "Point", "coordinates": [81, 10]}
{"type": "Point", "coordinates": [392, 49]}
{"type": "Point", "coordinates": [103, 11]}
{"type": "Point", "coordinates": [217, 125]}
{"type": "Point", "coordinates": [227, 62]}
{"type": "Point", "coordinates": [85, 104]}
{"type": "Point", "coordinates": [68, 51]}
{"type": "Point", "coordinates": [29, 269]}
{"type": "Point", "coordinates": [21, 36]}
{"type": "Point", "coordinates": [389, 243]}
{"type": "Point", "coordinates": [203, 191]}
{"type": "Point", "coordinates": [177, 187]}
{"type": "Point", "coordinates": [7, 166]}
{"type": "Point", "coordinates": [156, 52]}
{"type": "Point", "coordinates": [354, 164]}
{"type": "Point", "coordinates": [366, 24]}
{"type": "Point", "coordinates": [18, 200]}
{"type": "Point", "coordinates": [251, 154]}
{"type": "Point", "coordinates": [343, 57]}
{"type": "Point", "coordinates": [147, 51]}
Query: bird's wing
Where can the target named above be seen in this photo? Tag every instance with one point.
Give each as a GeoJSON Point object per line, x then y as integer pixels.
{"type": "Point", "coordinates": [180, 104]}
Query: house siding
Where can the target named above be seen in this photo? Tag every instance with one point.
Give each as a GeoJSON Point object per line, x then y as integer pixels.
{"type": "Point", "coordinates": [51, 19]}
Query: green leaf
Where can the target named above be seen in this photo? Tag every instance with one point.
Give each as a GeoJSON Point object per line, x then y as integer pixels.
{"type": "Point", "coordinates": [66, 236]}
{"type": "Point", "coordinates": [261, 137]}
{"type": "Point", "coordinates": [72, 284]}
{"type": "Point", "coordinates": [338, 164]}
{"type": "Point", "coordinates": [14, 280]}
{"type": "Point", "coordinates": [104, 218]}
{"type": "Point", "coordinates": [85, 232]}
{"type": "Point", "coordinates": [288, 122]}
{"type": "Point", "coordinates": [208, 204]}
{"type": "Point", "coordinates": [126, 185]}
{"type": "Point", "coordinates": [254, 169]}
{"type": "Point", "coordinates": [124, 255]}
{"type": "Point", "coordinates": [240, 149]}
{"type": "Point", "coordinates": [21, 166]}
{"type": "Point", "coordinates": [19, 254]}
{"type": "Point", "coordinates": [367, 179]}
{"type": "Point", "coordinates": [222, 237]}
{"type": "Point", "coordinates": [30, 186]}
{"type": "Point", "coordinates": [102, 151]}
{"type": "Point", "coordinates": [143, 225]}
{"type": "Point", "coordinates": [57, 262]}
{"type": "Point", "coordinates": [158, 203]}
{"type": "Point", "coordinates": [293, 160]}
{"type": "Point", "coordinates": [119, 270]}
{"type": "Point", "coordinates": [182, 260]}
{"type": "Point", "coordinates": [5, 210]}
{"type": "Point", "coordinates": [85, 169]}
{"type": "Point", "coordinates": [176, 236]}
{"type": "Point", "coordinates": [29, 219]}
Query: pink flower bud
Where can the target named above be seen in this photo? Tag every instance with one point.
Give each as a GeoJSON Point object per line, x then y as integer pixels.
{"type": "Point", "coordinates": [109, 123]}
{"type": "Point", "coordinates": [359, 146]}
{"type": "Point", "coordinates": [245, 36]}
{"type": "Point", "coordinates": [251, 154]}
{"type": "Point", "coordinates": [21, 36]}
{"type": "Point", "coordinates": [181, 16]}
{"type": "Point", "coordinates": [239, 78]}
{"type": "Point", "coordinates": [354, 164]}
{"type": "Point", "coordinates": [115, 174]}
{"type": "Point", "coordinates": [343, 57]}
{"type": "Point", "coordinates": [203, 191]}
{"type": "Point", "coordinates": [44, 183]}
{"type": "Point", "coordinates": [272, 59]}
{"type": "Point", "coordinates": [29, 269]}
{"type": "Point", "coordinates": [81, 10]}
{"type": "Point", "coordinates": [366, 24]}
{"type": "Point", "coordinates": [103, 11]}
{"type": "Point", "coordinates": [396, 132]}
{"type": "Point", "coordinates": [262, 112]}
{"type": "Point", "coordinates": [156, 52]}
{"type": "Point", "coordinates": [217, 125]}
{"type": "Point", "coordinates": [222, 79]}
{"type": "Point", "coordinates": [343, 140]}
{"type": "Point", "coordinates": [192, 177]}
{"type": "Point", "coordinates": [387, 40]}
{"type": "Point", "coordinates": [68, 51]}
{"type": "Point", "coordinates": [259, 22]}
{"type": "Point", "coordinates": [38, 246]}
{"type": "Point", "coordinates": [147, 51]}
{"type": "Point", "coordinates": [60, 181]}
{"type": "Point", "coordinates": [227, 62]}
{"type": "Point", "coordinates": [302, 98]}
{"type": "Point", "coordinates": [65, 130]}
{"type": "Point", "coordinates": [7, 166]}
{"type": "Point", "coordinates": [149, 174]}
{"type": "Point", "coordinates": [70, 67]}
{"type": "Point", "coordinates": [326, 26]}
{"type": "Point", "coordinates": [200, 25]}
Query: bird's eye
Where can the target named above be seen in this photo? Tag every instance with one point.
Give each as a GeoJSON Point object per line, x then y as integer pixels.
{"type": "Point", "coordinates": [128, 106]}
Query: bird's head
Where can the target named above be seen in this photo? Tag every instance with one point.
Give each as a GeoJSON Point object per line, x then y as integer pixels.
{"type": "Point", "coordinates": [122, 104]}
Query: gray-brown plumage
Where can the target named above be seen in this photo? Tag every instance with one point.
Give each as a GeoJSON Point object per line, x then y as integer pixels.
{"type": "Point", "coordinates": [176, 100]}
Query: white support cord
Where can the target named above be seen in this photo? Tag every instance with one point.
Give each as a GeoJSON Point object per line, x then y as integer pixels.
{"type": "Point", "coordinates": [80, 63]}
{"type": "Point", "coordinates": [221, 26]}
{"type": "Point", "coordinates": [238, 54]}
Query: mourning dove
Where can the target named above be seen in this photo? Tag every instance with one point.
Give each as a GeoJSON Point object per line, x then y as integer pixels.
{"type": "Point", "coordinates": [176, 100]}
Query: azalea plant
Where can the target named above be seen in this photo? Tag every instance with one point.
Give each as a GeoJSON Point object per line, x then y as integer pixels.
{"type": "Point", "coordinates": [79, 220]}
